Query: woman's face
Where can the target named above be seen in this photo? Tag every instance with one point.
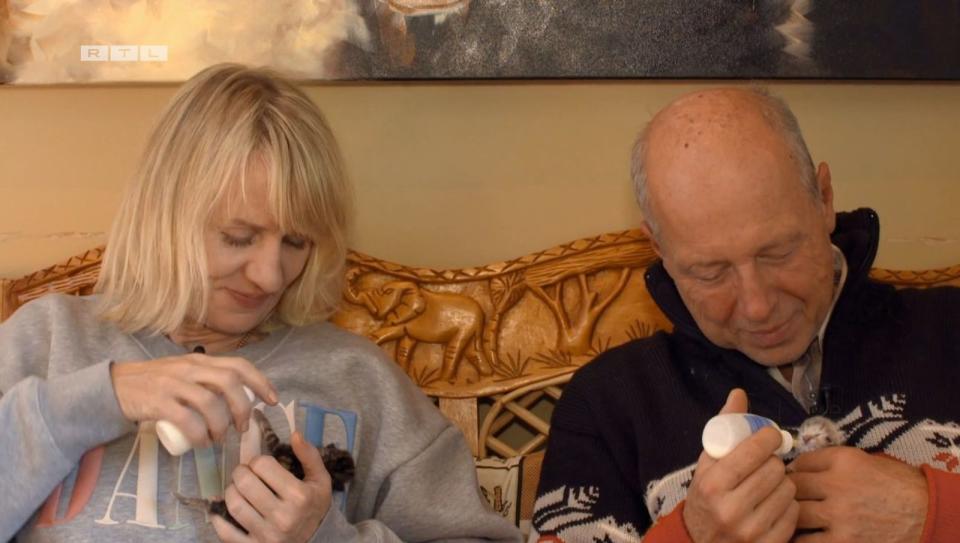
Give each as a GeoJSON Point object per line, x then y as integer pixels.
{"type": "Point", "coordinates": [250, 261]}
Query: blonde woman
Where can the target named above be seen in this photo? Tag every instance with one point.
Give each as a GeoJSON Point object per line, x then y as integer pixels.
{"type": "Point", "coordinates": [222, 265]}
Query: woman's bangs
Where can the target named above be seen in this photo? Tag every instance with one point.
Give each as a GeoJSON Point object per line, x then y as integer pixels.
{"type": "Point", "coordinates": [297, 200]}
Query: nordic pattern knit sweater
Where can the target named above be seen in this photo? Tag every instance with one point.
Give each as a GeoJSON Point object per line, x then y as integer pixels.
{"type": "Point", "coordinates": [625, 436]}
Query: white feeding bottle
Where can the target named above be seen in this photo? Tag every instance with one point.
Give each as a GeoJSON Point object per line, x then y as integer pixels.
{"type": "Point", "coordinates": [172, 438]}
{"type": "Point", "coordinates": [724, 432]}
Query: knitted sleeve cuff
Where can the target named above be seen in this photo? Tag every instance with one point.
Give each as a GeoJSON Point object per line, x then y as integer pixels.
{"type": "Point", "coordinates": [943, 506]}
{"type": "Point", "coordinates": [669, 529]}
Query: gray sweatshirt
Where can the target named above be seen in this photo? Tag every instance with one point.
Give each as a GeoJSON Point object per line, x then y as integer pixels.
{"type": "Point", "coordinates": [72, 468]}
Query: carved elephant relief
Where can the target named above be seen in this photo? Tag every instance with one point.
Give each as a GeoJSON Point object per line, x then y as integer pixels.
{"type": "Point", "coordinates": [410, 314]}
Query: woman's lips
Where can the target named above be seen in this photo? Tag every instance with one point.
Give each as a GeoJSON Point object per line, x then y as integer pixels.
{"type": "Point", "coordinates": [247, 301]}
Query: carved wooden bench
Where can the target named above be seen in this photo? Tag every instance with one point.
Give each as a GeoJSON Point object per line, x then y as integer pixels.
{"type": "Point", "coordinates": [493, 345]}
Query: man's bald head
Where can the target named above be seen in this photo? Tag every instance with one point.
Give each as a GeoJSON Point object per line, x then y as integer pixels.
{"type": "Point", "coordinates": [704, 118]}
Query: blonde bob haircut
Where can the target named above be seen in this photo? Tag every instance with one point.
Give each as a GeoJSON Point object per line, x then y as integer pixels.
{"type": "Point", "coordinates": [154, 274]}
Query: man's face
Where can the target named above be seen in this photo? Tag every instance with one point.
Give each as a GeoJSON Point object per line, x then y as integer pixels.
{"type": "Point", "coordinates": [746, 243]}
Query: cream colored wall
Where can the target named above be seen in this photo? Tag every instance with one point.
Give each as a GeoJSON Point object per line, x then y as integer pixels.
{"type": "Point", "coordinates": [451, 175]}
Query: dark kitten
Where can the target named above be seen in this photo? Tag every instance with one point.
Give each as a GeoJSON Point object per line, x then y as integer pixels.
{"type": "Point", "coordinates": [338, 462]}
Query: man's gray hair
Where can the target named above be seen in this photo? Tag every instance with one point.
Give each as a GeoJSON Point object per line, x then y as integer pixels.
{"type": "Point", "coordinates": [775, 110]}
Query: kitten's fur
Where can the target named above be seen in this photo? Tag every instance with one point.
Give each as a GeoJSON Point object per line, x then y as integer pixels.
{"type": "Point", "coordinates": [338, 462]}
{"type": "Point", "coordinates": [817, 433]}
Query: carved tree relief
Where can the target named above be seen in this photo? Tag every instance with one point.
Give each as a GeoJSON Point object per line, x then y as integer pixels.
{"type": "Point", "coordinates": [505, 292]}
{"type": "Point", "coordinates": [576, 333]}
{"type": "Point", "coordinates": [576, 327]}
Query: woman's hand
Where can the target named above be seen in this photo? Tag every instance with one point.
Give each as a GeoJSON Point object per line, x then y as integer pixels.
{"type": "Point", "coordinates": [272, 504]}
{"type": "Point", "coordinates": [199, 394]}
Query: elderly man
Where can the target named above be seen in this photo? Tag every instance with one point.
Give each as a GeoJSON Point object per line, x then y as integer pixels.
{"type": "Point", "coordinates": [769, 294]}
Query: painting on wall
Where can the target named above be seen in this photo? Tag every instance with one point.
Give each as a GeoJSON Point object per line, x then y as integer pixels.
{"type": "Point", "coordinates": [90, 41]}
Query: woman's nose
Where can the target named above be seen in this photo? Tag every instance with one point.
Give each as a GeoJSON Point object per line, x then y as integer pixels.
{"type": "Point", "coordinates": [265, 269]}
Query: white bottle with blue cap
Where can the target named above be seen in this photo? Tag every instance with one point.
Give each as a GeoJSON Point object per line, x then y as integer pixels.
{"type": "Point", "coordinates": [724, 432]}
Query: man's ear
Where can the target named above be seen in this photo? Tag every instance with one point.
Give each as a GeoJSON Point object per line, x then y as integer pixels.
{"type": "Point", "coordinates": [648, 231]}
{"type": "Point", "coordinates": [825, 190]}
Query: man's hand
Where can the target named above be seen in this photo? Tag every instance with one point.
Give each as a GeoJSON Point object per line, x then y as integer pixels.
{"type": "Point", "coordinates": [745, 496]}
{"type": "Point", "coordinates": [854, 496]}
{"type": "Point", "coordinates": [272, 504]}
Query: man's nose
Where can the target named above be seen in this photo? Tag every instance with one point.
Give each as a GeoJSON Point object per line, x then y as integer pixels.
{"type": "Point", "coordinates": [757, 297]}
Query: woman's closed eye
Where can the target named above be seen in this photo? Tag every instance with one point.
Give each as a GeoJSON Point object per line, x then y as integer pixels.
{"type": "Point", "coordinates": [234, 241]}
{"type": "Point", "coordinates": [296, 242]}
{"type": "Point", "coordinates": [231, 240]}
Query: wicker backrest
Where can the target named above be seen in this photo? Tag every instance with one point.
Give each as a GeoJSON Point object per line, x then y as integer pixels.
{"type": "Point", "coordinates": [494, 344]}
